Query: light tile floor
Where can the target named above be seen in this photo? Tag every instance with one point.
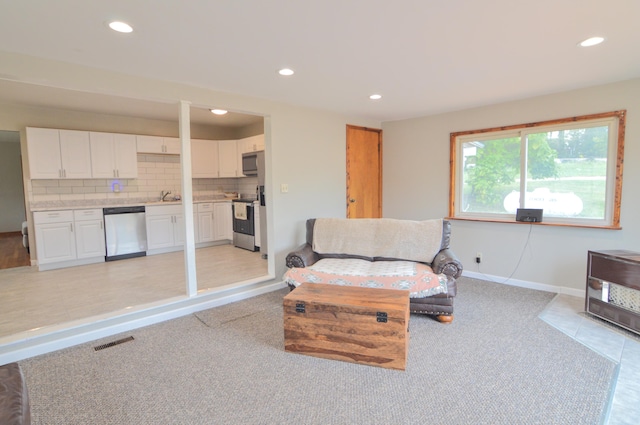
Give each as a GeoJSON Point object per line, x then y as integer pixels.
{"type": "Point", "coordinates": [34, 300]}
{"type": "Point", "coordinates": [566, 313]}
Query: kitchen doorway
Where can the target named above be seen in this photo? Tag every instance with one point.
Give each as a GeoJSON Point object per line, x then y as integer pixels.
{"type": "Point", "coordinates": [13, 213]}
{"type": "Point", "coordinates": [364, 172]}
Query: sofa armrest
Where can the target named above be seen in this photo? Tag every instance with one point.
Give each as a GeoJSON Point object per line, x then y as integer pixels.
{"type": "Point", "coordinates": [302, 257]}
{"type": "Point", "coordinates": [446, 262]}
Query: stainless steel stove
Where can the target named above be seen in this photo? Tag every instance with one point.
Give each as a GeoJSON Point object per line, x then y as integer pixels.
{"type": "Point", "coordinates": [244, 228]}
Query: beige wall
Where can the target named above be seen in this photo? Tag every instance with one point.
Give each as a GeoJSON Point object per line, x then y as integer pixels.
{"type": "Point", "coordinates": [416, 176]}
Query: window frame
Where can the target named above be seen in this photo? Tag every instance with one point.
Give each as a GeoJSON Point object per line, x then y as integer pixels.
{"type": "Point", "coordinates": [615, 156]}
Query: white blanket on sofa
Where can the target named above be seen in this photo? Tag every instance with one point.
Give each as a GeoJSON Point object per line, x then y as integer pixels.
{"type": "Point", "coordinates": [379, 237]}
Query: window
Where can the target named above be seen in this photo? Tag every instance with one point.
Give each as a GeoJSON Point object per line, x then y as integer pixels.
{"type": "Point", "coordinates": [571, 168]}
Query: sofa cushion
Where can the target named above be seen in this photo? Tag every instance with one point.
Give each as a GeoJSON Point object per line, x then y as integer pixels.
{"type": "Point", "coordinates": [417, 278]}
{"type": "Point", "coordinates": [379, 237]}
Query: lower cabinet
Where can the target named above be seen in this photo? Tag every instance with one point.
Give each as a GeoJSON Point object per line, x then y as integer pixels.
{"type": "Point", "coordinates": [68, 238]}
{"type": "Point", "coordinates": [165, 228]}
{"type": "Point", "coordinates": [256, 224]}
{"type": "Point", "coordinates": [205, 223]}
{"type": "Point", "coordinates": [223, 221]}
{"type": "Point", "coordinates": [89, 229]}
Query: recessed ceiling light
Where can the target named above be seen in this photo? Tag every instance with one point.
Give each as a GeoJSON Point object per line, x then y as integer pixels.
{"type": "Point", "coordinates": [591, 41]}
{"type": "Point", "coordinates": [120, 26]}
{"type": "Point", "coordinates": [218, 111]}
{"type": "Point", "coordinates": [286, 72]}
{"type": "Point", "coordinates": [375, 97]}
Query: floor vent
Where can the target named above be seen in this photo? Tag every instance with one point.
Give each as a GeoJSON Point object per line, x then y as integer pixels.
{"type": "Point", "coordinates": [111, 344]}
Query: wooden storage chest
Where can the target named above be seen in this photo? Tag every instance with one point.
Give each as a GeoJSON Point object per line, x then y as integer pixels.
{"type": "Point", "coordinates": [353, 324]}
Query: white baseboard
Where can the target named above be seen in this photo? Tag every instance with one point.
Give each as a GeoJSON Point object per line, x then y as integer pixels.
{"type": "Point", "coordinates": [580, 293]}
{"type": "Point", "coordinates": [27, 344]}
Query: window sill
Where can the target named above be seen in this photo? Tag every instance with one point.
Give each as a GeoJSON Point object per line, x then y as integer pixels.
{"type": "Point", "coordinates": [543, 223]}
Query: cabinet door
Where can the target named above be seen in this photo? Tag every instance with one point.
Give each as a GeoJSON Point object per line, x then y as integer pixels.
{"type": "Point", "coordinates": [178, 230]}
{"type": "Point", "coordinates": [150, 144]}
{"type": "Point", "coordinates": [103, 161]}
{"type": "Point", "coordinates": [223, 223]}
{"type": "Point", "coordinates": [160, 231]}
{"type": "Point", "coordinates": [259, 140]}
{"type": "Point", "coordinates": [75, 152]}
{"type": "Point", "coordinates": [171, 145]}
{"type": "Point", "coordinates": [126, 156]}
{"type": "Point", "coordinates": [256, 225]}
{"type": "Point", "coordinates": [204, 158]}
{"type": "Point", "coordinates": [55, 242]}
{"type": "Point", "coordinates": [206, 227]}
{"type": "Point", "coordinates": [43, 147]}
{"type": "Point", "coordinates": [90, 238]}
{"type": "Point", "coordinates": [228, 221]}
{"type": "Point", "coordinates": [227, 158]}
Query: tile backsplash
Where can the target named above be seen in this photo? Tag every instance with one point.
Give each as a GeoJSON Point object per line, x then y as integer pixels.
{"type": "Point", "coordinates": [155, 174]}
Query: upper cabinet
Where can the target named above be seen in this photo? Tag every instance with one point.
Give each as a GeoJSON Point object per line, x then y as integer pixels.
{"type": "Point", "coordinates": [204, 159]}
{"type": "Point", "coordinates": [227, 158]}
{"type": "Point", "coordinates": [113, 155]}
{"type": "Point", "coordinates": [214, 158]}
{"type": "Point", "coordinates": [252, 144]}
{"type": "Point", "coordinates": [157, 144]}
{"type": "Point", "coordinates": [58, 154]}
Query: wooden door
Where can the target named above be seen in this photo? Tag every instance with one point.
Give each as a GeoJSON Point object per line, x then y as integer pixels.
{"type": "Point", "coordinates": [364, 172]}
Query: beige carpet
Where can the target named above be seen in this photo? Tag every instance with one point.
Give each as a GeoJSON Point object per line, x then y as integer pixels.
{"type": "Point", "coordinates": [495, 364]}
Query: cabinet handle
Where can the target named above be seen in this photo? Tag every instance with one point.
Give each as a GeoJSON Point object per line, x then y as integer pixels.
{"type": "Point", "coordinates": [64, 173]}
{"type": "Point", "coordinates": [117, 173]}
{"type": "Point", "coordinates": [71, 226]}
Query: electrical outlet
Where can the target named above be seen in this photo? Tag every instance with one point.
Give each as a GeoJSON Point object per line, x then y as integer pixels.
{"type": "Point", "coordinates": [478, 257]}
{"type": "Point", "coordinates": [284, 188]}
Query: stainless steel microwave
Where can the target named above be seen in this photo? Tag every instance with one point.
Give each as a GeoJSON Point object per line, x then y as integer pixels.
{"type": "Point", "coordinates": [250, 164]}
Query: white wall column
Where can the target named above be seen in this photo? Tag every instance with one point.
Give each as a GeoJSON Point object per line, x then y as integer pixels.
{"type": "Point", "coordinates": [184, 120]}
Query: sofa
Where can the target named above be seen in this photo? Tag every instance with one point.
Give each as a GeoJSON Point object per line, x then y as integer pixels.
{"type": "Point", "coordinates": [381, 253]}
{"type": "Point", "coordinates": [14, 398]}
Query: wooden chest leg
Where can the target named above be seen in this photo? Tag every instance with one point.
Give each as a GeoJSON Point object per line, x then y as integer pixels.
{"type": "Point", "coordinates": [445, 318]}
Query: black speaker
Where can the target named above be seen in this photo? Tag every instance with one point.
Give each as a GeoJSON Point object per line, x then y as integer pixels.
{"type": "Point", "coordinates": [530, 215]}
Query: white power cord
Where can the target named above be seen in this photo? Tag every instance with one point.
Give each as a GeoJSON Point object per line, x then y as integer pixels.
{"type": "Point", "coordinates": [519, 259]}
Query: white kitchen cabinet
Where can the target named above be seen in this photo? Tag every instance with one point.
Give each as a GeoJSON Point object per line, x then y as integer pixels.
{"type": "Point", "coordinates": [171, 145]}
{"type": "Point", "coordinates": [204, 159]}
{"type": "Point", "coordinates": [256, 223]}
{"type": "Point", "coordinates": [113, 155]}
{"type": "Point", "coordinates": [69, 238]}
{"type": "Point", "coordinates": [228, 158]}
{"type": "Point", "coordinates": [58, 154]}
{"type": "Point", "coordinates": [89, 233]}
{"type": "Point", "coordinates": [165, 228]}
{"type": "Point", "coordinates": [157, 144]}
{"type": "Point", "coordinates": [251, 144]}
{"type": "Point", "coordinates": [55, 239]}
{"type": "Point", "coordinates": [223, 221]}
{"type": "Point", "coordinates": [205, 222]}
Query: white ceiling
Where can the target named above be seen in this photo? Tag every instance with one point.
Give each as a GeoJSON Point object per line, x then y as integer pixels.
{"type": "Point", "coordinates": [423, 56]}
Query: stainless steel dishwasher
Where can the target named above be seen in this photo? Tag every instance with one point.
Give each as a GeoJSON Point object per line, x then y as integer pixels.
{"type": "Point", "coordinates": [125, 232]}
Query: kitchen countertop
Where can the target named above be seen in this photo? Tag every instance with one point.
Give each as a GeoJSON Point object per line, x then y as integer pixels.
{"type": "Point", "coordinates": [110, 203]}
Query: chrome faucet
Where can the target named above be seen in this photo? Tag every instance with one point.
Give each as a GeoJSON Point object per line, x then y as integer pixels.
{"type": "Point", "coordinates": [164, 195]}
